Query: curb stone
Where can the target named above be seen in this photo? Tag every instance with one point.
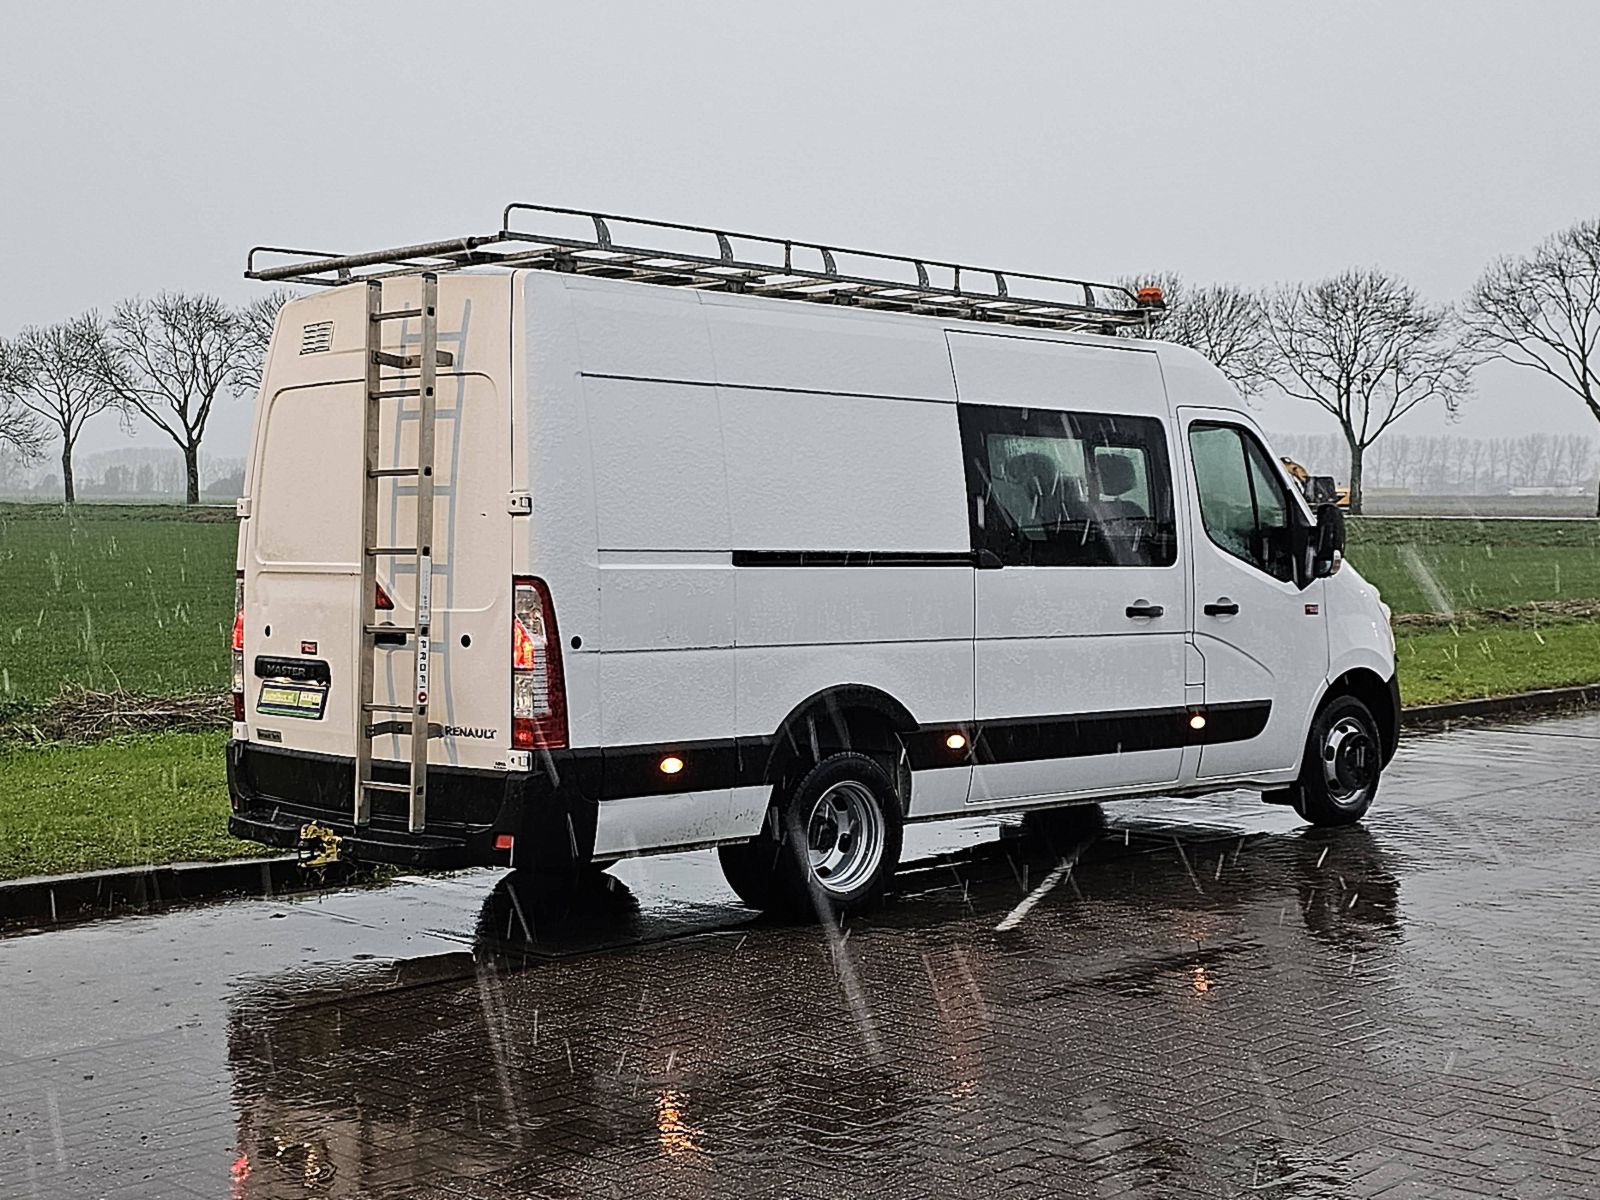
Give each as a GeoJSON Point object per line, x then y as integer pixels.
{"type": "Point", "coordinates": [1521, 704]}
{"type": "Point", "coordinates": [45, 900]}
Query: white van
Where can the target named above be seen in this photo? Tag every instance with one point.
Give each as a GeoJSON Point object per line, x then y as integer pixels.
{"type": "Point", "coordinates": [768, 557]}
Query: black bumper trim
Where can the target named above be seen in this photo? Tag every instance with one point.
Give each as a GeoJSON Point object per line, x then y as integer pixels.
{"type": "Point", "coordinates": [549, 810]}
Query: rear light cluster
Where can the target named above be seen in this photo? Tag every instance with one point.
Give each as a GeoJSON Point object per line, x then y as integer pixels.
{"type": "Point", "coordinates": [238, 647]}
{"type": "Point", "coordinates": [538, 695]}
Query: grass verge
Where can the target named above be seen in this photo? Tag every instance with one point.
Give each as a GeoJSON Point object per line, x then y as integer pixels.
{"type": "Point", "coordinates": [158, 798]}
{"type": "Point", "coordinates": [1465, 662]}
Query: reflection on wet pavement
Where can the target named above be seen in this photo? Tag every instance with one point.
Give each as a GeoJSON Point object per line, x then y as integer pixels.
{"type": "Point", "coordinates": [1174, 998]}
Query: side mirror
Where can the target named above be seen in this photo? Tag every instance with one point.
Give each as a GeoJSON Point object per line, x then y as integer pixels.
{"type": "Point", "coordinates": [1328, 556]}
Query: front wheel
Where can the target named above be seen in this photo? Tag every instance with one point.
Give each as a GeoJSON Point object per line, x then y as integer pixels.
{"type": "Point", "coordinates": [1344, 756]}
{"type": "Point", "coordinates": [830, 847]}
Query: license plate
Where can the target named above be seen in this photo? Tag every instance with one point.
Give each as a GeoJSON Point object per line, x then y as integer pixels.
{"type": "Point", "coordinates": [303, 700]}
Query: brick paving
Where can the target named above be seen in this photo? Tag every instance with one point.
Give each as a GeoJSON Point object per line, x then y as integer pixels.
{"type": "Point", "coordinates": [1214, 1001]}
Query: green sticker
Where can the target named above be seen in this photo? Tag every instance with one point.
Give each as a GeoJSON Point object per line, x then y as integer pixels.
{"type": "Point", "coordinates": [292, 700]}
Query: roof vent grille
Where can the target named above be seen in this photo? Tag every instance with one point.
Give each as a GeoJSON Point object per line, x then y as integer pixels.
{"type": "Point", "coordinates": [316, 338]}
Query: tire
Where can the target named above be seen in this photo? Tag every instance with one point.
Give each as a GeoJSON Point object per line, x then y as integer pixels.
{"type": "Point", "coordinates": [829, 847]}
{"type": "Point", "coordinates": [748, 868]}
{"type": "Point", "coordinates": [1343, 761]}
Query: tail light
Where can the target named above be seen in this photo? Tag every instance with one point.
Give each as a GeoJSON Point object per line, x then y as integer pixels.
{"type": "Point", "coordinates": [538, 694]}
{"type": "Point", "coordinates": [381, 600]}
{"type": "Point", "coordinates": [238, 647]}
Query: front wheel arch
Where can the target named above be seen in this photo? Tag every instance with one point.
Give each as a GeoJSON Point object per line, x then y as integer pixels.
{"type": "Point", "coordinates": [1382, 698]}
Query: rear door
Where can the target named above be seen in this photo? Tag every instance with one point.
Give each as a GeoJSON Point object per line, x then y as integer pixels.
{"type": "Point", "coordinates": [1081, 592]}
{"type": "Point", "coordinates": [1262, 636]}
{"type": "Point", "coordinates": [303, 572]}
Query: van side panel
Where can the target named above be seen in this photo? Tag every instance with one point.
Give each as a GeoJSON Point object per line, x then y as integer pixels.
{"type": "Point", "coordinates": [662, 647]}
{"type": "Point", "coordinates": [822, 459]}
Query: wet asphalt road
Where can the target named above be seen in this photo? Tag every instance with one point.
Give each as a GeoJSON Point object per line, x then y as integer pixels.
{"type": "Point", "coordinates": [1212, 1001]}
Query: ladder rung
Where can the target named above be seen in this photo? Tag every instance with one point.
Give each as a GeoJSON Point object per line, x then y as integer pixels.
{"type": "Point", "coordinates": [394, 394]}
{"type": "Point", "coordinates": [378, 785]}
{"type": "Point", "coordinates": [392, 472]}
{"type": "Point", "coordinates": [398, 314]}
{"type": "Point", "coordinates": [405, 629]}
{"type": "Point", "coordinates": [391, 708]}
{"type": "Point", "coordinates": [378, 551]}
{"type": "Point", "coordinates": [411, 362]}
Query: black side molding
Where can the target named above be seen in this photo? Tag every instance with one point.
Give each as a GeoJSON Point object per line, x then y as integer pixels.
{"type": "Point", "coordinates": [853, 558]}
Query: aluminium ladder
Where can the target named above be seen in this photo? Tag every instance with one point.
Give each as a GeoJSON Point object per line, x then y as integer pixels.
{"type": "Point", "coordinates": [379, 389]}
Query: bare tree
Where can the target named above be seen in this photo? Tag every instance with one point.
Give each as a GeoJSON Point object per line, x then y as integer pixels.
{"type": "Point", "coordinates": [1542, 311]}
{"type": "Point", "coordinates": [1222, 321]}
{"type": "Point", "coordinates": [170, 357]}
{"type": "Point", "coordinates": [258, 318]}
{"type": "Point", "coordinates": [21, 436]}
{"type": "Point", "coordinates": [1364, 347]}
{"type": "Point", "coordinates": [51, 373]}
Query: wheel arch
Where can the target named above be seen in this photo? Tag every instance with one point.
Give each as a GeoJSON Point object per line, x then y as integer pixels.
{"type": "Point", "coordinates": [1380, 695]}
{"type": "Point", "coordinates": [847, 716]}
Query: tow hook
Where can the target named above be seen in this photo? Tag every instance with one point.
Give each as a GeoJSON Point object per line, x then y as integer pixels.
{"type": "Point", "coordinates": [319, 846]}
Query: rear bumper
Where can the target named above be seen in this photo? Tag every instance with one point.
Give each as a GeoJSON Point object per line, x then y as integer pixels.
{"type": "Point", "coordinates": [548, 811]}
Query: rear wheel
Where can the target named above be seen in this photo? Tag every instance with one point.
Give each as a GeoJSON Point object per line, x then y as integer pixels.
{"type": "Point", "coordinates": [1344, 756]}
{"type": "Point", "coordinates": [830, 847]}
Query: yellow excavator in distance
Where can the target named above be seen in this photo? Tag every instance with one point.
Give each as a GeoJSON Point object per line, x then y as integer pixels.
{"type": "Point", "coordinates": [1318, 489]}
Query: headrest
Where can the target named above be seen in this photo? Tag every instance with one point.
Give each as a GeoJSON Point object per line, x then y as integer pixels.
{"type": "Point", "coordinates": [1117, 476]}
{"type": "Point", "coordinates": [1037, 469]}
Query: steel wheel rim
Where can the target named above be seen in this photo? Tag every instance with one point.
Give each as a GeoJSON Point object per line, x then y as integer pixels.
{"type": "Point", "coordinates": [844, 836]}
{"type": "Point", "coordinates": [1349, 761]}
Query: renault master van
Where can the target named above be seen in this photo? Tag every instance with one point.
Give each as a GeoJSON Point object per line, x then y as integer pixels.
{"type": "Point", "coordinates": [566, 546]}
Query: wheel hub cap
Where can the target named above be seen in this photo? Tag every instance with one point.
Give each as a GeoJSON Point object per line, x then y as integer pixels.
{"type": "Point", "coordinates": [1349, 760]}
{"type": "Point", "coordinates": [844, 836]}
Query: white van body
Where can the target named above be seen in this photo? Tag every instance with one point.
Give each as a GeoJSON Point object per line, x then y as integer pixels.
{"type": "Point", "coordinates": [759, 526]}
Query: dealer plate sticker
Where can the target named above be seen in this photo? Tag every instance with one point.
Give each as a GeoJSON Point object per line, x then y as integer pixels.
{"type": "Point", "coordinates": [304, 700]}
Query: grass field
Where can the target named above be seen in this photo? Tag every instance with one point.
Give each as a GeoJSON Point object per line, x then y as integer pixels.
{"type": "Point", "coordinates": [1453, 566]}
{"type": "Point", "coordinates": [109, 596]}
{"type": "Point", "coordinates": [123, 802]}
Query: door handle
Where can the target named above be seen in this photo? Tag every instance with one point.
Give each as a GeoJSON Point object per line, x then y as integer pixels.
{"type": "Point", "coordinates": [1222, 607]}
{"type": "Point", "coordinates": [1141, 608]}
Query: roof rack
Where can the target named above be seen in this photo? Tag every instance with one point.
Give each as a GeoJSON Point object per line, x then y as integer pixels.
{"type": "Point", "coordinates": [763, 266]}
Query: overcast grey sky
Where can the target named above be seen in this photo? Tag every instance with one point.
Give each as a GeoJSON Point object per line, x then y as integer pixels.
{"type": "Point", "coordinates": [147, 146]}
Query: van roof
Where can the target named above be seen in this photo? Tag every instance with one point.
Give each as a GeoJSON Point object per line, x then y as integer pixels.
{"type": "Point", "coordinates": [674, 255]}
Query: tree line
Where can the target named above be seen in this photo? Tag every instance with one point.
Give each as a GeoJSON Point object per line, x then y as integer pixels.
{"type": "Point", "coordinates": [165, 360]}
{"type": "Point", "coordinates": [1367, 349]}
{"type": "Point", "coordinates": [1448, 465]}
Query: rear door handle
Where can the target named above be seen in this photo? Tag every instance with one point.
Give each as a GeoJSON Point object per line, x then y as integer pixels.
{"type": "Point", "coordinates": [1222, 607]}
{"type": "Point", "coordinates": [1142, 609]}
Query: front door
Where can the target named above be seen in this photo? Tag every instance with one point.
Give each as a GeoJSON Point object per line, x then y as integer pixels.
{"type": "Point", "coordinates": [1259, 627]}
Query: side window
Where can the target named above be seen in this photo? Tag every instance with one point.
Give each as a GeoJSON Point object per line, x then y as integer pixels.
{"type": "Point", "coordinates": [1242, 501]}
{"type": "Point", "coordinates": [1063, 489]}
